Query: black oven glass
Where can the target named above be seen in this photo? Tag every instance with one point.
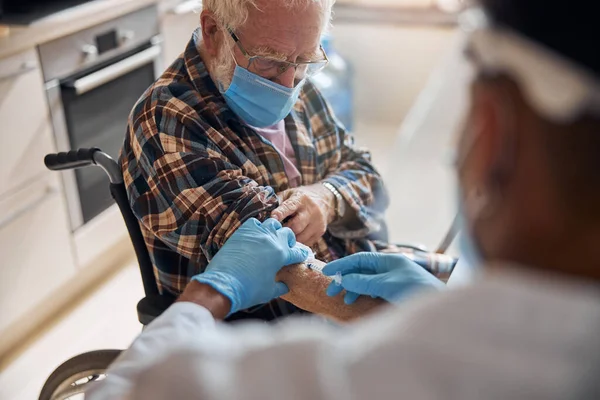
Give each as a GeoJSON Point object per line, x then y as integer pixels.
{"type": "Point", "coordinates": [98, 118]}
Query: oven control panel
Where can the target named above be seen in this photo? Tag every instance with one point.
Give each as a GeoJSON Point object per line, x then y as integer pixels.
{"type": "Point", "coordinates": [84, 49]}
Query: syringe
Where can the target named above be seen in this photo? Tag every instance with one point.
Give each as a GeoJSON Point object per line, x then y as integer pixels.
{"type": "Point", "coordinates": [338, 278]}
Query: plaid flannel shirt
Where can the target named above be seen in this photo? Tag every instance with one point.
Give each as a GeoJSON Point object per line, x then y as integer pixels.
{"type": "Point", "coordinates": [194, 171]}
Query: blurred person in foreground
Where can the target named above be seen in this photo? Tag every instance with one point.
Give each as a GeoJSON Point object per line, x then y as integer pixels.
{"type": "Point", "coordinates": [234, 129]}
{"type": "Point", "coordinates": [528, 169]}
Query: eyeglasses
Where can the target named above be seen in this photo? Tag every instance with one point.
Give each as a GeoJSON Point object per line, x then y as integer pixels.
{"type": "Point", "coordinates": [270, 68]}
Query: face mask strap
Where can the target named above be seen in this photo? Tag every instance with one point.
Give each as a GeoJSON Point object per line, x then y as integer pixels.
{"type": "Point", "coordinates": [230, 49]}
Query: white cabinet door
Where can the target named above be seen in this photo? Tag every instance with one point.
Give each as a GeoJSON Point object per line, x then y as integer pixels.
{"type": "Point", "coordinates": [36, 254]}
{"type": "Point", "coordinates": [179, 19]}
{"type": "Point", "coordinates": [25, 128]}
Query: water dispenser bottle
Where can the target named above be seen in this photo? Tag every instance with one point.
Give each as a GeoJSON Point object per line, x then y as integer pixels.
{"type": "Point", "coordinates": [335, 83]}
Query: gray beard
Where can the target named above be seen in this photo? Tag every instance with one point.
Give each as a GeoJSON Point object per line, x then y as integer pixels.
{"type": "Point", "coordinates": [222, 68]}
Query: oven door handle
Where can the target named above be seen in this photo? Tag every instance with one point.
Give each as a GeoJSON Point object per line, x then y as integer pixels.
{"type": "Point", "coordinates": [114, 71]}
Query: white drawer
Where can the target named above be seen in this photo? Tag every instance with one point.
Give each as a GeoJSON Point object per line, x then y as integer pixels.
{"type": "Point", "coordinates": [25, 127]}
{"type": "Point", "coordinates": [36, 255]}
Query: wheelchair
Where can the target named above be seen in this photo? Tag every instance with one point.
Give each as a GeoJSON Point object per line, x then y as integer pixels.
{"type": "Point", "coordinates": [74, 376]}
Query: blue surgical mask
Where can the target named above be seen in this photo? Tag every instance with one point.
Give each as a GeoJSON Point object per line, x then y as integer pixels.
{"type": "Point", "coordinates": [259, 101]}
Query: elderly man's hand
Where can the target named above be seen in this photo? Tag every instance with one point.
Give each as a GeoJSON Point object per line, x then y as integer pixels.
{"type": "Point", "coordinates": [310, 210]}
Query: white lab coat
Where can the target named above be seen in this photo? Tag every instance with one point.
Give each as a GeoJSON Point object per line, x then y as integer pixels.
{"type": "Point", "coordinates": [514, 335]}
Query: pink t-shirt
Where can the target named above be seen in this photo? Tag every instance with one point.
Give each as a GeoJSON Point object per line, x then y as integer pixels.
{"type": "Point", "coordinates": [277, 135]}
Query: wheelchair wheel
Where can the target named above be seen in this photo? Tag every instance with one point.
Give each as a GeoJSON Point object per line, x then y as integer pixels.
{"type": "Point", "coordinates": [73, 376]}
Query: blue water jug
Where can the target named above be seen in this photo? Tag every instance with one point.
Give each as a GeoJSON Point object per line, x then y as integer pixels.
{"type": "Point", "coordinates": [336, 84]}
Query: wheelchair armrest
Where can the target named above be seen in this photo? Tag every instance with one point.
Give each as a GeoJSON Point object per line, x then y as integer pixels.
{"type": "Point", "coordinates": [153, 306]}
{"type": "Point", "coordinates": [412, 246]}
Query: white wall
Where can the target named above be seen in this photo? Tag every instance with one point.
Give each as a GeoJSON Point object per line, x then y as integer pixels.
{"type": "Point", "coordinates": [392, 65]}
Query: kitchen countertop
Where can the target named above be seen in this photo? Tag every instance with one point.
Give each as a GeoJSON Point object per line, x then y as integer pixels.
{"type": "Point", "coordinates": [63, 23]}
{"type": "Point", "coordinates": [66, 22]}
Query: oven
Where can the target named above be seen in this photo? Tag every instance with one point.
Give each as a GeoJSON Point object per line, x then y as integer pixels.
{"type": "Point", "coordinates": [93, 79]}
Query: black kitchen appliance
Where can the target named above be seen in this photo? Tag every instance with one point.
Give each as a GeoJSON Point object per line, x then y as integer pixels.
{"type": "Point", "coordinates": [24, 12]}
{"type": "Point", "coordinates": [93, 78]}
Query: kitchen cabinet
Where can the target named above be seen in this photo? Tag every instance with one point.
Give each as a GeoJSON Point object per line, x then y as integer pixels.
{"type": "Point", "coordinates": [25, 129]}
{"type": "Point", "coordinates": [35, 247]}
{"type": "Point", "coordinates": [36, 252]}
{"type": "Point", "coordinates": [179, 19]}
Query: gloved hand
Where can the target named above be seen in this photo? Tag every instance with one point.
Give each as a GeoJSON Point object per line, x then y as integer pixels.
{"type": "Point", "coordinates": [244, 269]}
{"type": "Point", "coordinates": [388, 276]}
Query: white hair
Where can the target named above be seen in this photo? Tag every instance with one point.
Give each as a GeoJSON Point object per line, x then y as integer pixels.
{"type": "Point", "coordinates": [234, 13]}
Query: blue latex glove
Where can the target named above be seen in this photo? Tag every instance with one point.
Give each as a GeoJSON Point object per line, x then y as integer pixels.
{"type": "Point", "coordinates": [388, 276]}
{"type": "Point", "coordinates": [244, 269]}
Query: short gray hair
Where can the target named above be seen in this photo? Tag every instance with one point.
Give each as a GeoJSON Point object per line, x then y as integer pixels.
{"type": "Point", "coordinates": [234, 13]}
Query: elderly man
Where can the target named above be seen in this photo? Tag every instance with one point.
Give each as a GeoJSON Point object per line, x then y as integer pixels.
{"type": "Point", "coordinates": [234, 129]}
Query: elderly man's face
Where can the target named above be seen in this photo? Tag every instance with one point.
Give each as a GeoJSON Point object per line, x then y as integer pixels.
{"type": "Point", "coordinates": [277, 32]}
